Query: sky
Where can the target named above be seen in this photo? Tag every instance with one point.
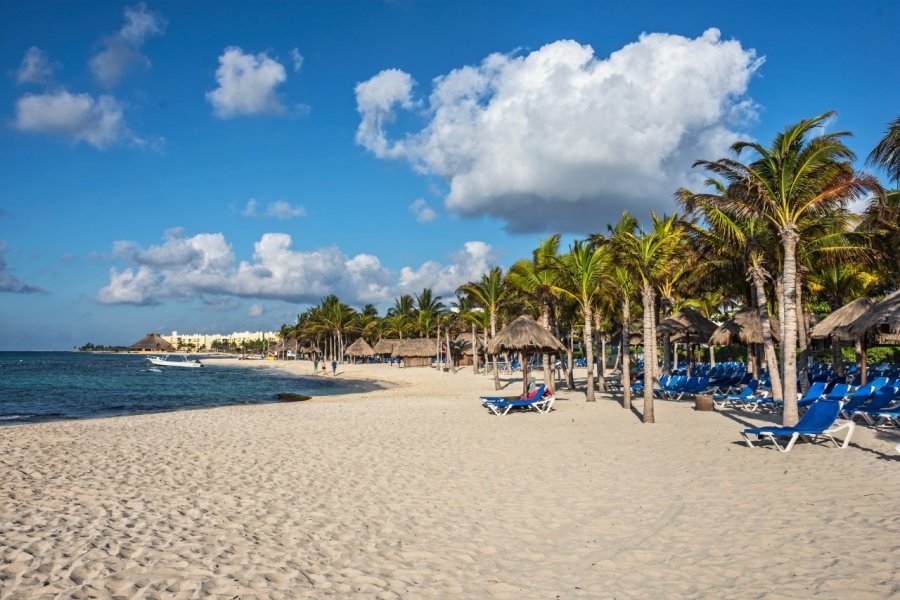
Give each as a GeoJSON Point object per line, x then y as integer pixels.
{"type": "Point", "coordinates": [208, 167]}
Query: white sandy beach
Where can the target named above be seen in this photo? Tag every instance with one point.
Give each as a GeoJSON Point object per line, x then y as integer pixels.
{"type": "Point", "coordinates": [416, 491]}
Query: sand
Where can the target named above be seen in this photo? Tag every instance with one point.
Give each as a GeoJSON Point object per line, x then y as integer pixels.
{"type": "Point", "coordinates": [417, 492]}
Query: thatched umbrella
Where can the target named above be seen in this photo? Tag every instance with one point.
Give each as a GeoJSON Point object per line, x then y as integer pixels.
{"type": "Point", "coordinates": [745, 328]}
{"type": "Point", "coordinates": [153, 342]}
{"type": "Point", "coordinates": [882, 321]}
{"type": "Point", "coordinates": [359, 348]}
{"type": "Point", "coordinates": [528, 337]}
{"type": "Point", "coordinates": [836, 326]}
{"type": "Point", "coordinates": [687, 325]}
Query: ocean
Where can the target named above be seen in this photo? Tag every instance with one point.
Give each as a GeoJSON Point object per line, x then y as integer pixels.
{"type": "Point", "coordinates": [52, 386]}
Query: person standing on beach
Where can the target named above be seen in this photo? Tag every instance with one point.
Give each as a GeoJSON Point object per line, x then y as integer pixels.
{"type": "Point", "coordinates": [324, 372]}
{"type": "Point", "coordinates": [316, 366]}
{"type": "Point", "coordinates": [334, 368]}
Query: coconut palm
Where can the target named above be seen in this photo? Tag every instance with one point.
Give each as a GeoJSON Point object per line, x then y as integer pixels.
{"type": "Point", "coordinates": [401, 315]}
{"type": "Point", "coordinates": [429, 309]}
{"type": "Point", "coordinates": [887, 153]}
{"type": "Point", "coordinates": [788, 180]}
{"type": "Point", "coordinates": [582, 270]}
{"type": "Point", "coordinates": [490, 294]}
{"type": "Point", "coordinates": [651, 255]}
{"type": "Point", "coordinates": [535, 278]}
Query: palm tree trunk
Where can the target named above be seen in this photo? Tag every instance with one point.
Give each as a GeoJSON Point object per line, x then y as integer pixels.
{"type": "Point", "coordinates": [757, 274]}
{"type": "Point", "coordinates": [626, 357]}
{"type": "Point", "coordinates": [789, 238]}
{"type": "Point", "coordinates": [779, 295]}
{"type": "Point", "coordinates": [647, 295]}
{"type": "Point", "coordinates": [493, 333]}
{"type": "Point", "coordinates": [667, 342]}
{"type": "Point", "coordinates": [485, 351]}
{"type": "Point", "coordinates": [474, 351]}
{"type": "Point", "coordinates": [570, 354]}
{"type": "Point", "coordinates": [712, 356]}
{"type": "Point", "coordinates": [803, 341]}
{"type": "Point", "coordinates": [837, 358]}
{"type": "Point", "coordinates": [548, 372]}
{"type": "Point", "coordinates": [601, 362]}
{"type": "Point", "coordinates": [588, 350]}
{"type": "Point", "coordinates": [675, 356]}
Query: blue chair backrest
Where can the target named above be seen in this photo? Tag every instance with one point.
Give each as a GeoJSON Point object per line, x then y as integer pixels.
{"type": "Point", "coordinates": [821, 415]}
{"type": "Point", "coordinates": [838, 392]}
{"type": "Point", "coordinates": [879, 382]}
{"type": "Point", "coordinates": [859, 397]}
{"type": "Point", "coordinates": [883, 397]}
{"type": "Point", "coordinates": [816, 390]}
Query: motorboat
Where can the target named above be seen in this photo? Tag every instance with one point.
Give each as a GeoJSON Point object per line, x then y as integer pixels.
{"type": "Point", "coordinates": [169, 361]}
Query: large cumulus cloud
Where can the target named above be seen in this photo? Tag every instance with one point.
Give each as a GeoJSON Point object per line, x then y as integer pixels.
{"type": "Point", "coordinates": [562, 139]}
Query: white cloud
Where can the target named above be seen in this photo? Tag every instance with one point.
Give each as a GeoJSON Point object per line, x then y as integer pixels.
{"type": "Point", "coordinates": [297, 59]}
{"type": "Point", "coordinates": [99, 122]}
{"type": "Point", "coordinates": [35, 67]}
{"type": "Point", "coordinates": [475, 259]}
{"type": "Point", "coordinates": [121, 51]}
{"type": "Point", "coordinates": [204, 265]}
{"type": "Point", "coordinates": [282, 210]}
{"type": "Point", "coordinates": [256, 310]}
{"type": "Point", "coordinates": [375, 101]}
{"type": "Point", "coordinates": [250, 209]}
{"type": "Point", "coordinates": [247, 84]}
{"type": "Point", "coordinates": [562, 139]}
{"type": "Point", "coordinates": [423, 212]}
{"type": "Point", "coordinates": [8, 281]}
{"type": "Point", "coordinates": [278, 209]}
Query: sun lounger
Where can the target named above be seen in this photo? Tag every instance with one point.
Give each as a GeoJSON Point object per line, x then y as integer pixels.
{"type": "Point", "coordinates": [538, 400]}
{"type": "Point", "coordinates": [883, 398]}
{"type": "Point", "coordinates": [819, 420]}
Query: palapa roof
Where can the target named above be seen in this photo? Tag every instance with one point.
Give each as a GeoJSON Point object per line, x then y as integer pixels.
{"type": "Point", "coordinates": [153, 341]}
{"type": "Point", "coordinates": [414, 347]}
{"type": "Point", "coordinates": [524, 333]}
{"type": "Point", "coordinates": [837, 322]}
{"type": "Point", "coordinates": [384, 346]}
{"type": "Point", "coordinates": [359, 348]}
{"type": "Point", "coordinates": [688, 324]}
{"type": "Point", "coordinates": [463, 343]}
{"type": "Point", "coordinates": [745, 328]}
{"type": "Point", "coordinates": [882, 319]}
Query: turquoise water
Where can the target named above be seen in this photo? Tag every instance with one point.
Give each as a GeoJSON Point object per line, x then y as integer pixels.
{"type": "Point", "coordinates": [46, 386]}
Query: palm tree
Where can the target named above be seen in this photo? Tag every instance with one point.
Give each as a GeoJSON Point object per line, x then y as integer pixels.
{"type": "Point", "coordinates": [887, 153]}
{"type": "Point", "coordinates": [536, 278]}
{"type": "Point", "coordinates": [401, 315]}
{"type": "Point", "coordinates": [729, 239]}
{"type": "Point", "coordinates": [489, 293]}
{"type": "Point", "coordinates": [792, 178]}
{"type": "Point", "coordinates": [583, 268]}
{"type": "Point", "coordinates": [651, 255]}
{"type": "Point", "coordinates": [428, 311]}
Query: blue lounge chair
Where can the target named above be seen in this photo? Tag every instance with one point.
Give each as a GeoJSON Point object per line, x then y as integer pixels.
{"type": "Point", "coordinates": [819, 420]}
{"type": "Point", "coordinates": [883, 398]}
{"type": "Point", "coordinates": [858, 399]}
{"type": "Point", "coordinates": [537, 400]}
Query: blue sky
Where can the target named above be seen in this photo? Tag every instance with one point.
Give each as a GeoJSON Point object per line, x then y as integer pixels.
{"type": "Point", "coordinates": [211, 166]}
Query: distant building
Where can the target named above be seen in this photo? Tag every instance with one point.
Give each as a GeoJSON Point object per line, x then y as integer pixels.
{"type": "Point", "coordinates": [201, 342]}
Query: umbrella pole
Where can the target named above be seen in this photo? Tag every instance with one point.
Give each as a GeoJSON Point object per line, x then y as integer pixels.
{"type": "Point", "coordinates": [524, 362]}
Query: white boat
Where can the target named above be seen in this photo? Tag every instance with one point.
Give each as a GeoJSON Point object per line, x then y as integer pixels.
{"type": "Point", "coordinates": [168, 361]}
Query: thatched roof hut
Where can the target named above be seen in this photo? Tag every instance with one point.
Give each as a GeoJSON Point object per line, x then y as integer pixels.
{"type": "Point", "coordinates": [359, 348]}
{"type": "Point", "coordinates": [836, 323]}
{"type": "Point", "coordinates": [416, 352]}
{"type": "Point", "coordinates": [524, 334]}
{"type": "Point", "coordinates": [384, 346]}
{"type": "Point", "coordinates": [688, 325]}
{"type": "Point", "coordinates": [462, 344]}
{"type": "Point", "coordinates": [882, 320]}
{"type": "Point", "coordinates": [744, 328]}
{"type": "Point", "coordinates": [153, 342]}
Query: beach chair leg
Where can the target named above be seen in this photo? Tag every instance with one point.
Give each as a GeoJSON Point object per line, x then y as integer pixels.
{"type": "Point", "coordinates": [790, 444]}
{"type": "Point", "coordinates": [747, 439]}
